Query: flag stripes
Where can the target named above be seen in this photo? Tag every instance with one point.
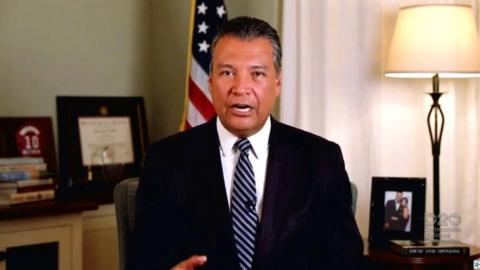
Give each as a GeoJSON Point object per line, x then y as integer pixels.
{"type": "Point", "coordinates": [207, 16]}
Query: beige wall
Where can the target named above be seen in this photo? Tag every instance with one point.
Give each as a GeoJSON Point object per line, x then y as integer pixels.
{"type": "Point", "coordinates": [56, 47]}
{"type": "Point", "coordinates": [101, 48]}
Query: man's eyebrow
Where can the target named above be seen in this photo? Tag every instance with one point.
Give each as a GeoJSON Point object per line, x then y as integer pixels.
{"type": "Point", "coordinates": [223, 65]}
{"type": "Point", "coordinates": [259, 67]}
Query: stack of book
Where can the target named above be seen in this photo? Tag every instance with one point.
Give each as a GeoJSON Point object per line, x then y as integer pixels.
{"type": "Point", "coordinates": [430, 247]}
{"type": "Point", "coordinates": [24, 180]}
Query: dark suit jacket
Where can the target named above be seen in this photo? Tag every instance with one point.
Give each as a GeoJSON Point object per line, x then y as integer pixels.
{"type": "Point", "coordinates": [390, 210]}
{"type": "Point", "coordinates": [306, 220]}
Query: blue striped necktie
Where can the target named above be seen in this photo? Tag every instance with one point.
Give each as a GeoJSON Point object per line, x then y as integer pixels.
{"type": "Point", "coordinates": [244, 200]}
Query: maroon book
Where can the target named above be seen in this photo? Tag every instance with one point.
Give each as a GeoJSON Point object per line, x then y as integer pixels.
{"type": "Point", "coordinates": [36, 188]}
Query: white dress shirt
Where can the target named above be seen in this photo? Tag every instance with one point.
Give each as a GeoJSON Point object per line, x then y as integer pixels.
{"type": "Point", "coordinates": [258, 158]}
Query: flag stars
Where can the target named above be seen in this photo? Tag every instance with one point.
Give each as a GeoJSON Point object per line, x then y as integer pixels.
{"type": "Point", "coordinates": [202, 28]}
{"type": "Point", "coordinates": [203, 46]}
{"type": "Point", "coordinates": [221, 11]}
{"type": "Point", "coordinates": [202, 9]}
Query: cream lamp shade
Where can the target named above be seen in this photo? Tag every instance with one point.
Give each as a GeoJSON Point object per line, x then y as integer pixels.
{"type": "Point", "coordinates": [434, 39]}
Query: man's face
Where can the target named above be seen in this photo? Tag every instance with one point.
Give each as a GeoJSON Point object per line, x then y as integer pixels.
{"type": "Point", "coordinates": [243, 83]}
{"type": "Point", "coordinates": [398, 198]}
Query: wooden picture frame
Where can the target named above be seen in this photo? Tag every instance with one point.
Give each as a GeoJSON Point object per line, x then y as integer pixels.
{"type": "Point", "coordinates": [102, 140]}
{"type": "Point", "coordinates": [397, 210]}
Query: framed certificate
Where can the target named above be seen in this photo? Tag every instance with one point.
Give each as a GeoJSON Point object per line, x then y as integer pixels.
{"type": "Point", "coordinates": [105, 141]}
{"type": "Point", "coordinates": [102, 140]}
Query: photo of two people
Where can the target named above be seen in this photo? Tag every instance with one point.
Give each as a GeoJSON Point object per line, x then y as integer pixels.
{"type": "Point", "coordinates": [398, 208]}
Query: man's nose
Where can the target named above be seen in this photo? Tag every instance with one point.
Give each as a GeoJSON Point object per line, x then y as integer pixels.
{"type": "Point", "coordinates": [242, 84]}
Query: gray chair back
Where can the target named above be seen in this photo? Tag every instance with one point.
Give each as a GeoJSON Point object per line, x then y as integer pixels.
{"type": "Point", "coordinates": [354, 190]}
{"type": "Point", "coordinates": [124, 197]}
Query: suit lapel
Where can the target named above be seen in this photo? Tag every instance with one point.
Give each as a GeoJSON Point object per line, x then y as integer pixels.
{"type": "Point", "coordinates": [212, 203]}
{"type": "Point", "coordinates": [277, 195]}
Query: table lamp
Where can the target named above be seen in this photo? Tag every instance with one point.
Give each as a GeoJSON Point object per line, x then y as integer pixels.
{"type": "Point", "coordinates": [435, 41]}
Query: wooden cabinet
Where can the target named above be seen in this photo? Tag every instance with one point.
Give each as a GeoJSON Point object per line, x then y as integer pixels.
{"type": "Point", "coordinates": [63, 236]}
{"type": "Point", "coordinates": [100, 244]}
{"type": "Point", "coordinates": [63, 231]}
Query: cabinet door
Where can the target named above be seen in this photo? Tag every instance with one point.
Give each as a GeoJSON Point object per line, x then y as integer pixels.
{"type": "Point", "coordinates": [100, 244]}
{"type": "Point", "coordinates": [38, 246]}
{"type": "Point", "coordinates": [60, 235]}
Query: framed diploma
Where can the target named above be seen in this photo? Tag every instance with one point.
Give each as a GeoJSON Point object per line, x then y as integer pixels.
{"type": "Point", "coordinates": [105, 141]}
{"type": "Point", "coordinates": [102, 140]}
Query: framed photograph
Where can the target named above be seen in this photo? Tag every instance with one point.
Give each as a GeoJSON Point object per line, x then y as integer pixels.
{"type": "Point", "coordinates": [101, 139]}
{"type": "Point", "coordinates": [397, 210]}
{"type": "Point", "coordinates": [28, 137]}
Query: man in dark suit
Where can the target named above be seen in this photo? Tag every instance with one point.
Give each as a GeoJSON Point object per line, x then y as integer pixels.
{"type": "Point", "coordinates": [391, 208]}
{"type": "Point", "coordinates": [194, 211]}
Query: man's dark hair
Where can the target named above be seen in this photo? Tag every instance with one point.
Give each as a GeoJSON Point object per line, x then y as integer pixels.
{"type": "Point", "coordinates": [248, 28]}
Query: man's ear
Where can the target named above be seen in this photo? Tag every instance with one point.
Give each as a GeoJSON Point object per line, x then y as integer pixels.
{"type": "Point", "coordinates": [278, 84]}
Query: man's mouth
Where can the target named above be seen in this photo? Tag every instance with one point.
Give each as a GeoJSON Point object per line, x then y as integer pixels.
{"type": "Point", "coordinates": [242, 108]}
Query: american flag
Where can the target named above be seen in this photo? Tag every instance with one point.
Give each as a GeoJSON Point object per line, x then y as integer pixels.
{"type": "Point", "coordinates": [208, 15]}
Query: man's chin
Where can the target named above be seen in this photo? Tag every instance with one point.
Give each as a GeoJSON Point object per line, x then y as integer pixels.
{"type": "Point", "coordinates": [242, 129]}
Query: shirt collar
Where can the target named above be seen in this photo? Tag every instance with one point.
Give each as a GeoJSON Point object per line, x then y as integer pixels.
{"type": "Point", "coordinates": [259, 140]}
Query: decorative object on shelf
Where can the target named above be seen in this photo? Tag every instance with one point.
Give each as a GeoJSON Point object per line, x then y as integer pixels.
{"type": "Point", "coordinates": [27, 137]}
{"type": "Point", "coordinates": [430, 247]}
{"type": "Point", "coordinates": [435, 41]}
{"type": "Point", "coordinates": [102, 140]}
{"type": "Point", "coordinates": [376, 258]}
{"type": "Point", "coordinates": [397, 208]}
